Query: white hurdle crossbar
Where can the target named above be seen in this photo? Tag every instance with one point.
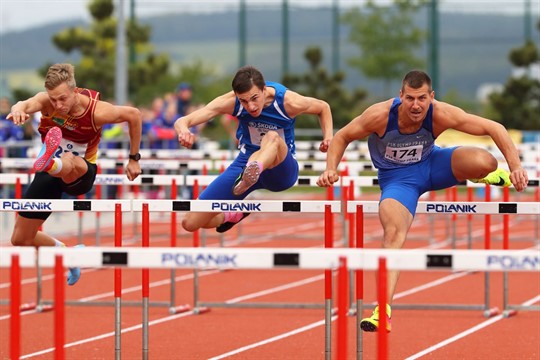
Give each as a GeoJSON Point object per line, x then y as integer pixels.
{"type": "Point", "coordinates": [458, 207]}
{"type": "Point", "coordinates": [59, 205]}
{"type": "Point", "coordinates": [293, 258]}
{"type": "Point", "coordinates": [273, 206]}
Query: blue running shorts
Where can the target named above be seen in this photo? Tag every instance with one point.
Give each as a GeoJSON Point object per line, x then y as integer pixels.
{"type": "Point", "coordinates": [406, 184]}
{"type": "Point", "coordinates": [279, 178]}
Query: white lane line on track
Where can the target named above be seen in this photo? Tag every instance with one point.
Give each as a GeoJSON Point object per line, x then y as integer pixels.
{"type": "Point", "coordinates": [321, 323]}
{"type": "Point", "coordinates": [271, 340]}
{"type": "Point", "coordinates": [467, 332]}
{"type": "Point", "coordinates": [109, 334]}
{"type": "Point", "coordinates": [276, 289]}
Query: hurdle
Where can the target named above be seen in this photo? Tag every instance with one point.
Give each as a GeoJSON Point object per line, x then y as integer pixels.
{"type": "Point", "coordinates": [171, 180]}
{"type": "Point", "coordinates": [257, 206]}
{"type": "Point", "coordinates": [44, 205]}
{"type": "Point", "coordinates": [63, 205]}
{"type": "Point", "coordinates": [508, 308]}
{"type": "Point", "coordinates": [16, 258]}
{"type": "Point", "coordinates": [253, 258]}
{"type": "Point", "coordinates": [423, 207]}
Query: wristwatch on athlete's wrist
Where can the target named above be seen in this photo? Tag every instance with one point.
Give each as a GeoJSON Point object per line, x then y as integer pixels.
{"type": "Point", "coordinates": [135, 157]}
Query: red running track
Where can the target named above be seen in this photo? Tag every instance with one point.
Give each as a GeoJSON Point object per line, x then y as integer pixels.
{"type": "Point", "coordinates": [284, 333]}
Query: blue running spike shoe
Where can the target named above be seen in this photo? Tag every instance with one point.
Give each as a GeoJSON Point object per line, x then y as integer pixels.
{"type": "Point", "coordinates": [499, 177]}
{"type": "Point", "coordinates": [46, 154]}
{"type": "Point", "coordinates": [74, 274]}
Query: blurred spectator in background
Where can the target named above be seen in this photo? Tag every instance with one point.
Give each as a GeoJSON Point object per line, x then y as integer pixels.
{"type": "Point", "coordinates": [184, 96]}
{"type": "Point", "coordinates": [230, 124]}
{"type": "Point", "coordinates": [163, 125]}
{"type": "Point", "coordinates": [184, 106]}
{"type": "Point", "coordinates": [11, 133]}
{"type": "Point", "coordinates": [157, 106]}
{"type": "Point", "coordinates": [147, 123]}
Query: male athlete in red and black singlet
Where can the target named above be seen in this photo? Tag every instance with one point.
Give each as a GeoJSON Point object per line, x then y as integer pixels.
{"type": "Point", "coordinates": [70, 127]}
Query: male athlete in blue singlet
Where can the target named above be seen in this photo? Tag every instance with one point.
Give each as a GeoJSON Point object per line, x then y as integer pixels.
{"type": "Point", "coordinates": [266, 114]}
{"type": "Point", "coordinates": [401, 139]}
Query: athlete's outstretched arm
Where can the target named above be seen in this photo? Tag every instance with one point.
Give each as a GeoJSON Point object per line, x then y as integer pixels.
{"type": "Point", "coordinates": [223, 104]}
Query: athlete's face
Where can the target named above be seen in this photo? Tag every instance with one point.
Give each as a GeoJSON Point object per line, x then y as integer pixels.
{"type": "Point", "coordinates": [253, 100]}
{"type": "Point", "coordinates": [416, 101]}
{"type": "Point", "coordinates": [62, 98]}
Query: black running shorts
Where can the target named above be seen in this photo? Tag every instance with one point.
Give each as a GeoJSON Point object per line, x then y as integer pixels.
{"type": "Point", "coordinates": [45, 186]}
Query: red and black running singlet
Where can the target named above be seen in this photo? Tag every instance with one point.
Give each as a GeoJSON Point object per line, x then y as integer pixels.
{"type": "Point", "coordinates": [80, 135]}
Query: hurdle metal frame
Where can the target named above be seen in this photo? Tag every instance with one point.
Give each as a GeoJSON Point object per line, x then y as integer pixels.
{"type": "Point", "coordinates": [424, 207]}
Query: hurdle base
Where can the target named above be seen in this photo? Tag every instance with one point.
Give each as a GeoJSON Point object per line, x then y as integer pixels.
{"type": "Point", "coordinates": [44, 308]}
{"type": "Point", "coordinates": [494, 311]}
{"type": "Point", "coordinates": [28, 306]}
{"type": "Point", "coordinates": [179, 309]}
{"type": "Point", "coordinates": [200, 310]}
{"type": "Point", "coordinates": [509, 313]}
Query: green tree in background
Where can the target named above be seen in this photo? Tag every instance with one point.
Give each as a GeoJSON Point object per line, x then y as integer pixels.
{"type": "Point", "coordinates": [387, 39]}
{"type": "Point", "coordinates": [97, 46]}
{"type": "Point", "coordinates": [316, 82]}
{"type": "Point", "coordinates": [518, 105]}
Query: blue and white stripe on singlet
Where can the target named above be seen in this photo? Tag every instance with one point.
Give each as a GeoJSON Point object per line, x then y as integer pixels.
{"type": "Point", "coordinates": [397, 150]}
{"type": "Point", "coordinates": [274, 117]}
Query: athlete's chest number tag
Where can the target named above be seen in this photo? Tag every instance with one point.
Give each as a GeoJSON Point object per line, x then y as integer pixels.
{"type": "Point", "coordinates": [256, 134]}
{"type": "Point", "coordinates": [404, 155]}
{"type": "Point", "coordinates": [70, 146]}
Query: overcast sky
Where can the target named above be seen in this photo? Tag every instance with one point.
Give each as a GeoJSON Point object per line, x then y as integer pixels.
{"type": "Point", "coordinates": [22, 14]}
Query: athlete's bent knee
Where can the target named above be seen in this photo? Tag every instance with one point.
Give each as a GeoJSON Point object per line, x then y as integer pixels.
{"type": "Point", "coordinates": [18, 240]}
{"type": "Point", "coordinates": [188, 226]}
{"type": "Point", "coordinates": [272, 137]}
{"type": "Point", "coordinates": [488, 161]}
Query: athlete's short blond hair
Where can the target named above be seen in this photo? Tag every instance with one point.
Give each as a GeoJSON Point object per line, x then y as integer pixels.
{"type": "Point", "coordinates": [58, 74]}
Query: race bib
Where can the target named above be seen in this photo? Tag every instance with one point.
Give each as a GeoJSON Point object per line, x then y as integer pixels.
{"type": "Point", "coordinates": [404, 155]}
{"type": "Point", "coordinates": [72, 147]}
{"type": "Point", "coordinates": [256, 134]}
